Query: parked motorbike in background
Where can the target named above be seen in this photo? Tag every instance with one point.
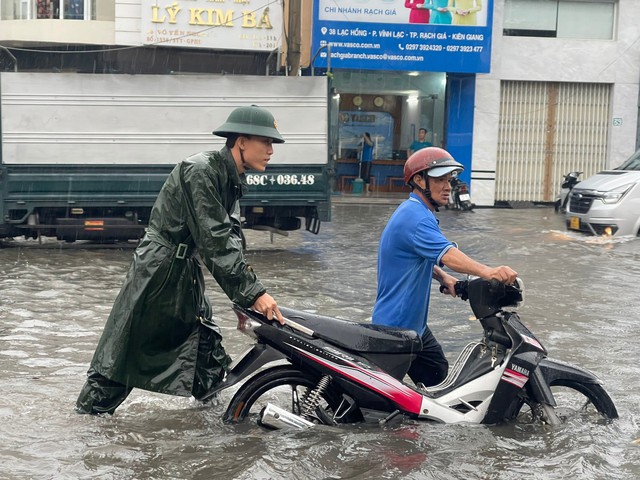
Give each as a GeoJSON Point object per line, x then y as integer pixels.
{"type": "Point", "coordinates": [570, 180]}
{"type": "Point", "coordinates": [321, 370]}
{"type": "Point", "coordinates": [459, 198]}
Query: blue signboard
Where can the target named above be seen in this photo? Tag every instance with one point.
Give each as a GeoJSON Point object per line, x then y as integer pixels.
{"type": "Point", "coordinates": [420, 35]}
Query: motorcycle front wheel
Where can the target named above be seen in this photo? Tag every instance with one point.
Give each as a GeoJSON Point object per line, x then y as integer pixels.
{"type": "Point", "coordinates": [589, 401]}
{"type": "Point", "coordinates": [287, 388]}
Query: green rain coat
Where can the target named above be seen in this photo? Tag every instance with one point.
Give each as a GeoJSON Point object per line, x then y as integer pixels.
{"type": "Point", "coordinates": [154, 338]}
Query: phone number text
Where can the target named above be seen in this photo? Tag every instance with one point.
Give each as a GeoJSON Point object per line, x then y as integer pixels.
{"type": "Point", "coordinates": [439, 48]}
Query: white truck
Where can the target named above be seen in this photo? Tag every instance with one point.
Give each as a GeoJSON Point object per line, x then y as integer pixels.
{"type": "Point", "coordinates": [83, 156]}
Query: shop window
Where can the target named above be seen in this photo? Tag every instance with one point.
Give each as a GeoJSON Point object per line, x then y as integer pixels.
{"type": "Point", "coordinates": [74, 9]}
{"type": "Point", "coordinates": [560, 18]}
{"type": "Point", "coordinates": [56, 9]}
{"type": "Point", "coordinates": [45, 9]}
{"type": "Point", "coordinates": [18, 11]}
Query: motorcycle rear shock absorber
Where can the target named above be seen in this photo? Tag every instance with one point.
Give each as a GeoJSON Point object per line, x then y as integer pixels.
{"type": "Point", "coordinates": [313, 399]}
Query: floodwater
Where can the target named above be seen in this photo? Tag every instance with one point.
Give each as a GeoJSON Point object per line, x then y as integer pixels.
{"type": "Point", "coordinates": [581, 301]}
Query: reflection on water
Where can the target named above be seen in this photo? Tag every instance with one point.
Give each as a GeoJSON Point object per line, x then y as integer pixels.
{"type": "Point", "coordinates": [581, 300]}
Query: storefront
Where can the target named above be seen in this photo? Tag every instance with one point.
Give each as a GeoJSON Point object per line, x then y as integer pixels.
{"type": "Point", "coordinates": [395, 73]}
{"type": "Point", "coordinates": [392, 107]}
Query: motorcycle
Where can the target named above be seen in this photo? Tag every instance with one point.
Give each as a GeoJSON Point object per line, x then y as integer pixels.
{"type": "Point", "coordinates": [570, 180]}
{"type": "Point", "coordinates": [317, 370]}
{"type": "Point", "coordinates": [459, 198]}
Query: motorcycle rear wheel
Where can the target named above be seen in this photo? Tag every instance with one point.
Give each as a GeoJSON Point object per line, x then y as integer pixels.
{"type": "Point", "coordinates": [287, 388]}
{"type": "Point", "coordinates": [573, 399]}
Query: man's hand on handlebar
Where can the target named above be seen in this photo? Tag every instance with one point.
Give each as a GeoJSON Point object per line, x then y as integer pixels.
{"type": "Point", "coordinates": [448, 285]}
{"type": "Point", "coordinates": [503, 274]}
{"type": "Point", "coordinates": [447, 281]}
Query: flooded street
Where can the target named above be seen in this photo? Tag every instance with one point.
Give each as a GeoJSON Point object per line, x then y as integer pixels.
{"type": "Point", "coordinates": [581, 301]}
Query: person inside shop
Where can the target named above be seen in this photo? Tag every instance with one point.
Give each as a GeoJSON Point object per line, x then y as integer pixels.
{"type": "Point", "coordinates": [420, 143]}
{"type": "Point", "coordinates": [366, 160]}
{"type": "Point", "coordinates": [160, 335]}
{"type": "Point", "coordinates": [412, 252]}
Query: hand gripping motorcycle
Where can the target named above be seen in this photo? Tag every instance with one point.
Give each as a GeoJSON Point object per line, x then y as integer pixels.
{"type": "Point", "coordinates": [322, 370]}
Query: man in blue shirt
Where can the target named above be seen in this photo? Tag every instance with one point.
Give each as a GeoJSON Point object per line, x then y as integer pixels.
{"type": "Point", "coordinates": [411, 253]}
{"type": "Point", "coordinates": [420, 143]}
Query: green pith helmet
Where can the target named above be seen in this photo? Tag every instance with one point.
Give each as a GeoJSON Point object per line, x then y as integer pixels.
{"type": "Point", "coordinates": [251, 120]}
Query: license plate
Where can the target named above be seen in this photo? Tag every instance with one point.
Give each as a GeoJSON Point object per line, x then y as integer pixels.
{"type": "Point", "coordinates": [464, 197]}
{"type": "Point", "coordinates": [574, 223]}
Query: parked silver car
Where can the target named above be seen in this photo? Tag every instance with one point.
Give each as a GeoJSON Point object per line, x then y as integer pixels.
{"type": "Point", "coordinates": [608, 203]}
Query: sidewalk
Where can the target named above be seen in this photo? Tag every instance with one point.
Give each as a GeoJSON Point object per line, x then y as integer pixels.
{"type": "Point", "coordinates": [373, 198]}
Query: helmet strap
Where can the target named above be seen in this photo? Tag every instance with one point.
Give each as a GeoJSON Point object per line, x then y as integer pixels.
{"type": "Point", "coordinates": [425, 191]}
{"type": "Point", "coordinates": [245, 165]}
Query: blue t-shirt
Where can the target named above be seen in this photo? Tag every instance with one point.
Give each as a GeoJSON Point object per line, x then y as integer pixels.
{"type": "Point", "coordinates": [416, 145]}
{"type": "Point", "coordinates": [367, 152]}
{"type": "Point", "coordinates": [410, 246]}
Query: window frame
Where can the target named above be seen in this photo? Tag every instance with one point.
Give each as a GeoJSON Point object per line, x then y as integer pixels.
{"type": "Point", "coordinates": [525, 32]}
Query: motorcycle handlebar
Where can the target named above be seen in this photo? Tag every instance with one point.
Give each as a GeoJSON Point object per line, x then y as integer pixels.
{"type": "Point", "coordinates": [461, 287]}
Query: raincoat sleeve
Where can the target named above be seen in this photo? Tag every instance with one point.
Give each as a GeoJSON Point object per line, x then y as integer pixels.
{"type": "Point", "coordinates": [213, 232]}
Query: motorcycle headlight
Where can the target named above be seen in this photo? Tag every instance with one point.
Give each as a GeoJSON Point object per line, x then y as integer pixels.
{"type": "Point", "coordinates": [614, 196]}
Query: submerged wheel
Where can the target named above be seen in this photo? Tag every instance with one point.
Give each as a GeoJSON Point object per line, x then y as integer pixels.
{"type": "Point", "coordinates": [573, 399]}
{"type": "Point", "coordinates": [287, 388]}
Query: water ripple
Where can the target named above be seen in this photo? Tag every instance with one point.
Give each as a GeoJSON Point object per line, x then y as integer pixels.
{"type": "Point", "coordinates": [580, 302]}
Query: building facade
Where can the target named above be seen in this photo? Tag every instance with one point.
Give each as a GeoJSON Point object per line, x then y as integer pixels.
{"type": "Point", "coordinates": [141, 36]}
{"type": "Point", "coordinates": [529, 90]}
{"type": "Point", "coordinates": [562, 95]}
{"type": "Point", "coordinates": [558, 92]}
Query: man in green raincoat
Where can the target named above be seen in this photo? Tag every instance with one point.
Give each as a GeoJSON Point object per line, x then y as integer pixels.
{"type": "Point", "coordinates": [160, 335]}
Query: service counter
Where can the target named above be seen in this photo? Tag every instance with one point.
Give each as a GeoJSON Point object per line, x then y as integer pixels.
{"type": "Point", "coordinates": [386, 175]}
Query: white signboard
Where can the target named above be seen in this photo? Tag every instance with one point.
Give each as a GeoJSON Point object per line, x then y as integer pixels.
{"type": "Point", "coordinates": [215, 24]}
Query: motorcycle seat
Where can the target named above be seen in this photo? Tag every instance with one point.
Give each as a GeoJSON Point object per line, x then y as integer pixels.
{"type": "Point", "coordinates": [360, 337]}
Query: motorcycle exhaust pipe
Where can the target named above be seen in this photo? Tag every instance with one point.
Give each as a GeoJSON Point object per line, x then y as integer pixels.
{"type": "Point", "coordinates": [275, 417]}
